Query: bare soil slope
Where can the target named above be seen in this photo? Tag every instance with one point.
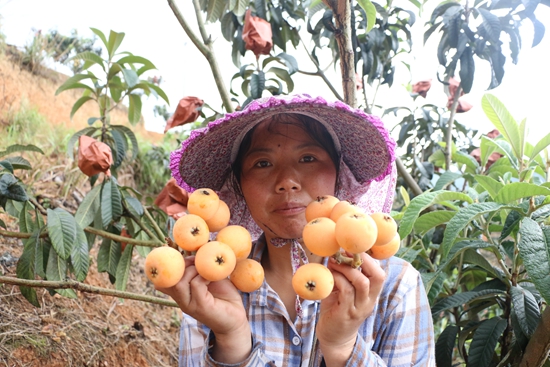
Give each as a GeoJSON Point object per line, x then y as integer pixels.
{"type": "Point", "coordinates": [92, 330]}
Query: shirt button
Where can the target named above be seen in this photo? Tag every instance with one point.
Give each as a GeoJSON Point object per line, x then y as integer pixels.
{"type": "Point", "coordinates": [296, 340]}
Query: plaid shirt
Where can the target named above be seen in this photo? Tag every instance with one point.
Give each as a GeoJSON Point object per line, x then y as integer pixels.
{"type": "Point", "coordinates": [398, 333]}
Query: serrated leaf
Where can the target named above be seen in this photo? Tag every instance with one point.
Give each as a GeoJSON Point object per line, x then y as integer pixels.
{"type": "Point", "coordinates": [62, 231]}
{"type": "Point", "coordinates": [534, 250]}
{"type": "Point", "coordinates": [467, 69]}
{"type": "Point", "coordinates": [491, 23]}
{"type": "Point", "coordinates": [11, 188]}
{"type": "Point", "coordinates": [57, 270]}
{"type": "Point", "coordinates": [257, 84]}
{"type": "Point", "coordinates": [432, 219]}
{"type": "Point", "coordinates": [108, 256]}
{"type": "Point", "coordinates": [87, 210]}
{"type": "Point", "coordinates": [116, 200]}
{"type": "Point", "coordinates": [485, 341]}
{"type": "Point", "coordinates": [26, 224]}
{"type": "Point", "coordinates": [72, 141]}
{"type": "Point", "coordinates": [240, 7]}
{"type": "Point", "coordinates": [18, 163]}
{"type": "Point", "coordinates": [490, 185]}
{"type": "Point", "coordinates": [461, 220]}
{"type": "Point", "coordinates": [446, 179]}
{"type": "Point", "coordinates": [26, 270]}
{"type": "Point", "coordinates": [80, 258]}
{"type": "Point", "coordinates": [134, 109]}
{"type": "Point", "coordinates": [526, 309]}
{"type": "Point", "coordinates": [134, 205]}
{"type": "Point", "coordinates": [459, 299]}
{"type": "Point", "coordinates": [423, 201]}
{"type": "Point", "coordinates": [120, 145]}
{"type": "Point", "coordinates": [475, 258]}
{"type": "Point", "coordinates": [502, 119]}
{"type": "Point", "coordinates": [106, 207]}
{"type": "Point", "coordinates": [20, 148]}
{"type": "Point", "coordinates": [445, 345]}
{"type": "Point", "coordinates": [131, 136]}
{"type": "Point", "coordinates": [519, 190]}
{"type": "Point", "coordinates": [123, 268]}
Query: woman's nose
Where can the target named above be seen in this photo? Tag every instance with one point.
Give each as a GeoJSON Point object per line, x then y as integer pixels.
{"type": "Point", "coordinates": [287, 180]}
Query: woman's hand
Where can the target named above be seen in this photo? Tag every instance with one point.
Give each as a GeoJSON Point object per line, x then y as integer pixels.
{"type": "Point", "coordinates": [219, 306]}
{"type": "Point", "coordinates": [353, 299]}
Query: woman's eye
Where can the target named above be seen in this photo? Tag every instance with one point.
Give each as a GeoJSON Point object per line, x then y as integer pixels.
{"type": "Point", "coordinates": [262, 164]}
{"type": "Point", "coordinates": [308, 159]}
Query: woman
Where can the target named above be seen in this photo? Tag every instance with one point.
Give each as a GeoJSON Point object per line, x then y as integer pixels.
{"type": "Point", "coordinates": [268, 162]}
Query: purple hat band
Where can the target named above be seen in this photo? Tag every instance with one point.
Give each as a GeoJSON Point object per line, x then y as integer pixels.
{"type": "Point", "coordinates": [204, 159]}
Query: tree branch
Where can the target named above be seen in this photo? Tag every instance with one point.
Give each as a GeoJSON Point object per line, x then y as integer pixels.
{"type": "Point", "coordinates": [449, 133]}
{"type": "Point", "coordinates": [205, 47]}
{"type": "Point", "coordinates": [73, 284]}
{"type": "Point", "coordinates": [538, 348]}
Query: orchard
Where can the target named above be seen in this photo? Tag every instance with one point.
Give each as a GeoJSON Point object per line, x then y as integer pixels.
{"type": "Point", "coordinates": [471, 209]}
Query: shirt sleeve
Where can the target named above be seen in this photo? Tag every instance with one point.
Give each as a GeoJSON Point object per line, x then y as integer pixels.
{"type": "Point", "coordinates": [195, 342]}
{"type": "Point", "coordinates": [405, 337]}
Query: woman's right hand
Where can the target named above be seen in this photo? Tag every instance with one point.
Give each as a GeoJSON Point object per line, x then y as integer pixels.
{"type": "Point", "coordinates": [219, 306]}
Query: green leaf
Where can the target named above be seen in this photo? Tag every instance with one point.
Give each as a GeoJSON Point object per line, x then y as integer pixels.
{"type": "Point", "coordinates": [7, 166]}
{"type": "Point", "coordinates": [540, 146]}
{"type": "Point", "coordinates": [87, 210]}
{"type": "Point", "coordinates": [370, 11]}
{"type": "Point", "coordinates": [79, 104]}
{"type": "Point", "coordinates": [240, 7]}
{"type": "Point", "coordinates": [485, 341]}
{"type": "Point", "coordinates": [257, 84]}
{"type": "Point", "coordinates": [467, 69]}
{"type": "Point", "coordinates": [18, 163]}
{"type": "Point", "coordinates": [473, 257]}
{"type": "Point", "coordinates": [131, 136]}
{"type": "Point", "coordinates": [459, 299]}
{"type": "Point", "coordinates": [215, 10]}
{"type": "Point", "coordinates": [57, 270]}
{"type": "Point", "coordinates": [89, 131]}
{"type": "Point", "coordinates": [423, 201]}
{"type": "Point", "coordinates": [108, 257]}
{"type": "Point", "coordinates": [26, 269]}
{"type": "Point", "coordinates": [445, 345]}
{"type": "Point", "coordinates": [20, 148]}
{"type": "Point", "coordinates": [461, 220]}
{"type": "Point", "coordinates": [491, 23]}
{"type": "Point", "coordinates": [135, 60]}
{"type": "Point", "coordinates": [487, 148]}
{"type": "Point", "coordinates": [432, 219]}
{"type": "Point", "coordinates": [80, 258]}
{"type": "Point", "coordinates": [446, 179]}
{"type": "Point", "coordinates": [11, 188]}
{"type": "Point", "coordinates": [490, 185]}
{"type": "Point", "coordinates": [290, 62]}
{"type": "Point", "coordinates": [134, 205]}
{"type": "Point", "coordinates": [62, 231]}
{"type": "Point", "coordinates": [519, 190]}
{"type": "Point", "coordinates": [100, 35]}
{"type": "Point", "coordinates": [534, 250]}
{"type": "Point", "coordinates": [284, 76]}
{"type": "Point", "coordinates": [503, 121]}
{"type": "Point", "coordinates": [526, 309]}
{"type": "Point", "coordinates": [123, 268]}
{"type": "Point", "coordinates": [115, 39]}
{"type": "Point", "coordinates": [106, 207]}
{"type": "Point", "coordinates": [130, 77]}
{"type": "Point", "coordinates": [90, 58]}
{"type": "Point", "coordinates": [26, 224]}
{"type": "Point", "coordinates": [466, 159]}
{"type": "Point", "coordinates": [120, 144]}
{"type": "Point", "coordinates": [159, 92]}
{"type": "Point", "coordinates": [134, 109]}
{"type": "Point", "coordinates": [405, 195]}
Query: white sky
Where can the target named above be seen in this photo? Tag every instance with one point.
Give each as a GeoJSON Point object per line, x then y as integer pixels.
{"type": "Point", "coordinates": [152, 31]}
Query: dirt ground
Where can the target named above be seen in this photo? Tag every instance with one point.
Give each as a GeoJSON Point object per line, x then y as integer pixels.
{"type": "Point", "coordinates": [92, 330]}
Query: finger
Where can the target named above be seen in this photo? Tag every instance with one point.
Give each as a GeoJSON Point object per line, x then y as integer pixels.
{"type": "Point", "coordinates": [375, 274]}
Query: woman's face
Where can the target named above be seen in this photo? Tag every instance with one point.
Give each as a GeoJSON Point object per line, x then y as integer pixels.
{"type": "Point", "coordinates": [283, 171]}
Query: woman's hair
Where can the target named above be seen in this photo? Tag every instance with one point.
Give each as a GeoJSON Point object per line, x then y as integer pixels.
{"type": "Point", "coordinates": [312, 127]}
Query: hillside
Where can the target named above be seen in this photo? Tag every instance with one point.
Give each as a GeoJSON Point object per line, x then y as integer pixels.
{"type": "Point", "coordinates": [92, 330]}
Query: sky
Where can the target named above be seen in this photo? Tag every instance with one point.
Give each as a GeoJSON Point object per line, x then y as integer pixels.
{"type": "Point", "coordinates": [152, 31]}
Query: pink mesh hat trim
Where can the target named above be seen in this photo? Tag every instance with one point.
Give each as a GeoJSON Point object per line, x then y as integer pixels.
{"type": "Point", "coordinates": [204, 159]}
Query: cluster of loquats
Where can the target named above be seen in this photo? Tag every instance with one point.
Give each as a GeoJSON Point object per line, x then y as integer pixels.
{"type": "Point", "coordinates": [335, 225]}
{"type": "Point", "coordinates": [225, 256]}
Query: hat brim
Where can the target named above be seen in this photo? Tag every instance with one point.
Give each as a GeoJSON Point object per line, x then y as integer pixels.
{"type": "Point", "coordinates": [205, 158]}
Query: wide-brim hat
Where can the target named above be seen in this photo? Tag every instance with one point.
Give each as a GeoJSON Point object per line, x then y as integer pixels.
{"type": "Point", "coordinates": [363, 143]}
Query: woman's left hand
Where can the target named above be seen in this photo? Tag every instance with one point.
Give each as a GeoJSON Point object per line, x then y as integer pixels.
{"type": "Point", "coordinates": [353, 300]}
